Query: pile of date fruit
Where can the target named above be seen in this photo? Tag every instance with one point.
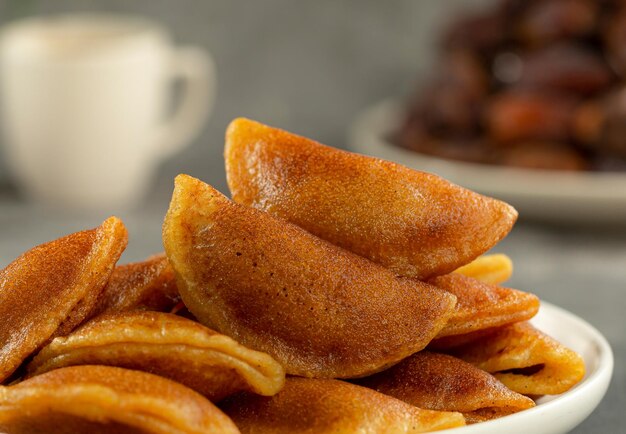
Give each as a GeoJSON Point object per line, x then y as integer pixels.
{"type": "Point", "coordinates": [528, 83]}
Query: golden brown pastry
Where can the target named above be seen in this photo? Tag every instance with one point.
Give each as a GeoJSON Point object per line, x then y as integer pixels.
{"type": "Point", "coordinates": [107, 400]}
{"type": "Point", "coordinates": [495, 269]}
{"type": "Point", "coordinates": [481, 305]}
{"type": "Point", "coordinates": [319, 310]}
{"type": "Point", "coordinates": [525, 360]}
{"type": "Point", "coordinates": [167, 345]}
{"type": "Point", "coordinates": [444, 383]}
{"type": "Point", "coordinates": [314, 406]}
{"type": "Point", "coordinates": [147, 285]}
{"type": "Point", "coordinates": [415, 223]}
{"type": "Point", "coordinates": [448, 343]}
{"type": "Point", "coordinates": [52, 288]}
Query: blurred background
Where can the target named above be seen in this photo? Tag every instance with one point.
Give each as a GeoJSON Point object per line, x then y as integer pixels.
{"type": "Point", "coordinates": [313, 68]}
{"type": "Point", "coordinates": [307, 67]}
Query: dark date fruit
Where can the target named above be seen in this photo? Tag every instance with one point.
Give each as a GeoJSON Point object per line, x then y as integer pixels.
{"type": "Point", "coordinates": [615, 40]}
{"type": "Point", "coordinates": [452, 101]}
{"type": "Point", "coordinates": [566, 68]}
{"type": "Point", "coordinates": [518, 116]}
{"type": "Point", "coordinates": [546, 21]}
{"type": "Point", "coordinates": [482, 32]}
{"type": "Point", "coordinates": [531, 83]}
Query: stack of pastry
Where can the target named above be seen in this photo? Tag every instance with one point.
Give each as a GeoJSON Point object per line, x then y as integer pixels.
{"type": "Point", "coordinates": [334, 293]}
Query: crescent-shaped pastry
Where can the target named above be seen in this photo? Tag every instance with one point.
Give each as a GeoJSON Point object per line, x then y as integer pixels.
{"type": "Point", "coordinates": [150, 285]}
{"type": "Point", "coordinates": [107, 400]}
{"type": "Point", "coordinates": [52, 288]}
{"type": "Point", "coordinates": [444, 383]}
{"type": "Point", "coordinates": [415, 223]}
{"type": "Point", "coordinates": [481, 305]}
{"type": "Point", "coordinates": [320, 310]}
{"type": "Point", "coordinates": [525, 360]}
{"type": "Point", "coordinates": [167, 345]}
{"type": "Point", "coordinates": [318, 406]}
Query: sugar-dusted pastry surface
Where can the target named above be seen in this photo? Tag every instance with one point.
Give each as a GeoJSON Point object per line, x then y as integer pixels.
{"type": "Point", "coordinates": [149, 284]}
{"type": "Point", "coordinates": [308, 406]}
{"type": "Point", "coordinates": [52, 288]}
{"type": "Point", "coordinates": [441, 382]}
{"type": "Point", "coordinates": [482, 305]}
{"type": "Point", "coordinates": [415, 223]}
{"type": "Point", "coordinates": [525, 359]}
{"type": "Point", "coordinates": [318, 309]}
{"type": "Point", "coordinates": [167, 345]}
{"type": "Point", "coordinates": [107, 400]}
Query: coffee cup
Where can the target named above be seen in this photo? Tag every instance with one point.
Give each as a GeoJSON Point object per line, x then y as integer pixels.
{"type": "Point", "coordinates": [86, 105]}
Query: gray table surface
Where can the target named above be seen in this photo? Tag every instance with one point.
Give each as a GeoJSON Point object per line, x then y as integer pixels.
{"type": "Point", "coordinates": [581, 269]}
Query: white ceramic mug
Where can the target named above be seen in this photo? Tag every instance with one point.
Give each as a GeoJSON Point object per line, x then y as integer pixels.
{"type": "Point", "coordinates": [84, 100]}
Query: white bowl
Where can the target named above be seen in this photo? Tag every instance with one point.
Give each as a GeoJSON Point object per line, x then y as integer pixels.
{"type": "Point", "coordinates": [590, 197]}
{"type": "Point", "coordinates": [560, 413]}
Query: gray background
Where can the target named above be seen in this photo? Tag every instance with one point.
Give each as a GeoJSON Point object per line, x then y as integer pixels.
{"type": "Point", "coordinates": [310, 67]}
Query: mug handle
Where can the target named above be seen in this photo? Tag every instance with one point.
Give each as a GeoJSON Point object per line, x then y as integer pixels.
{"type": "Point", "coordinates": [195, 68]}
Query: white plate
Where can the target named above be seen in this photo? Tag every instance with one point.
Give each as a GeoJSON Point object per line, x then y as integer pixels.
{"type": "Point", "coordinates": [590, 197]}
{"type": "Point", "coordinates": [561, 413]}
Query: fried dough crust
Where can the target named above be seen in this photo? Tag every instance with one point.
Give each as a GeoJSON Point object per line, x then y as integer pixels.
{"type": "Point", "coordinates": [444, 383]}
{"type": "Point", "coordinates": [314, 406]}
{"type": "Point", "coordinates": [525, 360]}
{"type": "Point", "coordinates": [167, 345]}
{"type": "Point", "coordinates": [319, 310]}
{"type": "Point", "coordinates": [415, 223]}
{"type": "Point", "coordinates": [52, 288]}
{"type": "Point", "coordinates": [107, 400]}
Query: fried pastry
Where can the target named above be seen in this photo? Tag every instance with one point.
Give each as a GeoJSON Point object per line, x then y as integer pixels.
{"type": "Point", "coordinates": [320, 310]}
{"type": "Point", "coordinates": [167, 345]}
{"type": "Point", "coordinates": [525, 360]}
{"type": "Point", "coordinates": [448, 343]}
{"type": "Point", "coordinates": [147, 285]}
{"type": "Point", "coordinates": [481, 305]}
{"type": "Point", "coordinates": [331, 406]}
{"type": "Point", "coordinates": [52, 288]}
{"type": "Point", "coordinates": [417, 224]}
{"type": "Point", "coordinates": [107, 400]}
{"type": "Point", "coordinates": [444, 383]}
{"type": "Point", "coordinates": [494, 269]}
